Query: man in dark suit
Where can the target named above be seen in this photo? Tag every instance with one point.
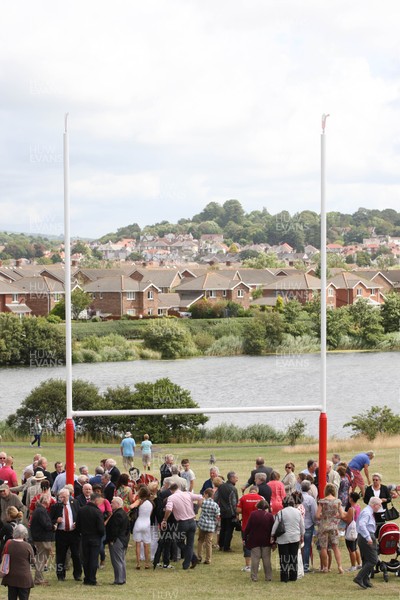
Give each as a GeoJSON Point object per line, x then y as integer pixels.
{"type": "Point", "coordinates": [64, 514]}
{"type": "Point", "coordinates": [113, 470]}
{"type": "Point", "coordinates": [90, 523]}
{"type": "Point", "coordinates": [84, 498]}
{"type": "Point", "coordinates": [263, 488]}
{"type": "Point", "coordinates": [108, 487]}
{"type": "Point", "coordinates": [59, 468]}
{"type": "Point", "coordinates": [260, 468]}
{"type": "Point", "coordinates": [117, 538]}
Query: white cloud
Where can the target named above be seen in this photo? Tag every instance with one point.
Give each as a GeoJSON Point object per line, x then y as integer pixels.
{"type": "Point", "coordinates": [174, 104]}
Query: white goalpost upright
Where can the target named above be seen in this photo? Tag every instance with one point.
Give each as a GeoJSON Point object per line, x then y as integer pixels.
{"type": "Point", "coordinates": [70, 413]}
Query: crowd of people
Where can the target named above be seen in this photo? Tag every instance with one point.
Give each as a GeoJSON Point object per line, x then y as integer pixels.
{"type": "Point", "coordinates": [160, 515]}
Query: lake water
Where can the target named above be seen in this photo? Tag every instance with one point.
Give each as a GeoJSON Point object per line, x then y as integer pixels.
{"type": "Point", "coordinates": [355, 382]}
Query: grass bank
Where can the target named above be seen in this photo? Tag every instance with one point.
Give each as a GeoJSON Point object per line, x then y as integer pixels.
{"type": "Point", "coordinates": [223, 578]}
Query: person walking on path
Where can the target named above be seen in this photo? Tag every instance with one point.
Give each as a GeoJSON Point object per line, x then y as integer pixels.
{"type": "Point", "coordinates": [128, 446]}
{"type": "Point", "coordinates": [37, 432]}
{"type": "Point", "coordinates": [145, 447]}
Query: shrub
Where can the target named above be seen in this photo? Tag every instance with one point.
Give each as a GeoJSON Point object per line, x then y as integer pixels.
{"type": "Point", "coordinates": [53, 319]}
{"type": "Point", "coordinates": [90, 356]}
{"type": "Point", "coordinates": [228, 345]}
{"type": "Point", "coordinates": [147, 354]}
{"type": "Point", "coordinates": [379, 419]}
{"type": "Point", "coordinates": [170, 338]}
{"type": "Point", "coordinates": [203, 340]}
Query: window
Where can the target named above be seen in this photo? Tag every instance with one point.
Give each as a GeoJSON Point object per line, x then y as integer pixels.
{"type": "Point", "coordinates": [131, 312]}
{"type": "Point", "coordinates": [130, 295]}
{"type": "Point", "coordinates": [212, 294]}
{"type": "Point", "coordinates": [94, 296]}
{"type": "Point", "coordinates": [240, 293]}
{"type": "Point", "coordinates": [160, 312]}
{"type": "Point", "coordinates": [149, 311]}
{"type": "Point", "coordinates": [359, 292]}
{"type": "Point", "coordinates": [224, 293]}
{"type": "Point", "coordinates": [330, 292]}
{"type": "Point", "coordinates": [15, 297]}
{"type": "Point", "coordinates": [101, 296]}
{"type": "Point", "coordinates": [373, 292]}
{"type": "Point", "coordinates": [56, 297]}
{"type": "Point", "coordinates": [150, 295]}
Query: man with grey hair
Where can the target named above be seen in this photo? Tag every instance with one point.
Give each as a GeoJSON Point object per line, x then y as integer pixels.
{"type": "Point", "coordinates": [98, 472]}
{"type": "Point", "coordinates": [332, 476]}
{"type": "Point", "coordinates": [175, 478]}
{"type": "Point", "coordinates": [64, 514]}
{"type": "Point", "coordinates": [310, 509]}
{"type": "Point", "coordinates": [227, 500]}
{"type": "Point", "coordinates": [263, 488]}
{"type": "Point", "coordinates": [108, 487]}
{"type": "Point", "coordinates": [356, 465]}
{"type": "Point", "coordinates": [214, 472]}
{"type": "Point", "coordinates": [111, 467]}
{"type": "Point", "coordinates": [117, 538]}
{"type": "Point", "coordinates": [260, 468]}
{"type": "Point", "coordinates": [366, 540]}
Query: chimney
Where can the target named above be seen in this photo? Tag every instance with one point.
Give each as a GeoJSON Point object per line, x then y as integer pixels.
{"type": "Point", "coordinates": [74, 262]}
{"type": "Point", "coordinates": [144, 264]}
{"type": "Point", "coordinates": [18, 262]}
{"type": "Point", "coordinates": [228, 263]}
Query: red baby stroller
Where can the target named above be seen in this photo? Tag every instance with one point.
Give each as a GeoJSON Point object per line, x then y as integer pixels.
{"type": "Point", "coordinates": [388, 544]}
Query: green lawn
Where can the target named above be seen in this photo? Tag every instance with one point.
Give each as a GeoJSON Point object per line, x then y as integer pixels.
{"type": "Point", "coordinates": [223, 578]}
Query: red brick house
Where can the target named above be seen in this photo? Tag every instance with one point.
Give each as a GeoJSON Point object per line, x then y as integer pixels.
{"type": "Point", "coordinates": [350, 287]}
{"type": "Point", "coordinates": [121, 295]}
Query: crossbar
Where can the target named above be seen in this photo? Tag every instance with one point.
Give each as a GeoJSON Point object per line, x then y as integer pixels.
{"type": "Point", "coordinates": [194, 411]}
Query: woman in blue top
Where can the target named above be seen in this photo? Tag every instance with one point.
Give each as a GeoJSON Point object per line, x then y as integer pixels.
{"type": "Point", "coordinates": [146, 452]}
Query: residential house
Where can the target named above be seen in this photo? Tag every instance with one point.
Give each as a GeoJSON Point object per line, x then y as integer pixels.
{"type": "Point", "coordinates": [350, 287]}
{"type": "Point", "coordinates": [300, 286]}
{"type": "Point", "coordinates": [213, 287]}
{"type": "Point", "coordinates": [122, 295]}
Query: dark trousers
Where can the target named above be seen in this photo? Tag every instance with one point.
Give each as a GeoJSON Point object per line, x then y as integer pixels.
{"type": "Point", "coordinates": [15, 593]}
{"type": "Point", "coordinates": [186, 531]}
{"type": "Point", "coordinates": [65, 540]}
{"type": "Point", "coordinates": [36, 438]}
{"type": "Point", "coordinates": [226, 533]}
{"type": "Point", "coordinates": [369, 557]}
{"type": "Point", "coordinates": [288, 561]}
{"type": "Point", "coordinates": [90, 558]}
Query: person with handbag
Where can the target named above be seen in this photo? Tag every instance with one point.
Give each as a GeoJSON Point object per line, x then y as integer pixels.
{"type": "Point", "coordinates": [378, 490]}
{"type": "Point", "coordinates": [353, 512]}
{"type": "Point", "coordinates": [18, 578]}
{"type": "Point", "coordinates": [291, 522]}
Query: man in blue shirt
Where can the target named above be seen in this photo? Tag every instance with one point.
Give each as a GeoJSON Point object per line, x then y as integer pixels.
{"type": "Point", "coordinates": [356, 465]}
{"type": "Point", "coordinates": [366, 527]}
{"type": "Point", "coordinates": [128, 451]}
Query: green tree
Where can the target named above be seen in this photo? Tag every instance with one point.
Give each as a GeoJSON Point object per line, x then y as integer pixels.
{"type": "Point", "coordinates": [48, 400]}
{"type": "Point", "coordinates": [254, 337]}
{"type": "Point", "coordinates": [295, 431]}
{"type": "Point", "coordinates": [337, 325]}
{"type": "Point", "coordinates": [79, 248]}
{"type": "Point", "coordinates": [297, 320]}
{"type": "Point", "coordinates": [162, 394]}
{"type": "Point", "coordinates": [80, 300]}
{"type": "Point", "coordinates": [378, 419]}
{"type": "Point", "coordinates": [366, 323]}
{"type": "Point", "coordinates": [232, 211]}
{"type": "Point", "coordinates": [170, 338]}
{"type": "Point", "coordinates": [263, 261]}
{"type": "Point", "coordinates": [390, 313]}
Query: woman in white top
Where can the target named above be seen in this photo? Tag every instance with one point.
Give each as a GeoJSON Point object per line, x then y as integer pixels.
{"type": "Point", "coordinates": [141, 530]}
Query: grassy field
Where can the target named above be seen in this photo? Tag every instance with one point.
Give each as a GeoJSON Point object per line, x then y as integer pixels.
{"type": "Point", "coordinates": [223, 578]}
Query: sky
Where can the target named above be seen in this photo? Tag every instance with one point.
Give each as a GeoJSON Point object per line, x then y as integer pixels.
{"type": "Point", "coordinates": [177, 103]}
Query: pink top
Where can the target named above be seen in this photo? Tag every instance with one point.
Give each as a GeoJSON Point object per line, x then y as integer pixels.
{"type": "Point", "coordinates": [278, 494]}
{"type": "Point", "coordinates": [181, 504]}
{"type": "Point", "coordinates": [105, 506]}
{"type": "Point", "coordinates": [7, 474]}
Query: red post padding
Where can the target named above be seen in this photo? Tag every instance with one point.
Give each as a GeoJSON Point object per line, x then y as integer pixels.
{"type": "Point", "coordinates": [69, 450]}
{"type": "Point", "coordinates": [323, 453]}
